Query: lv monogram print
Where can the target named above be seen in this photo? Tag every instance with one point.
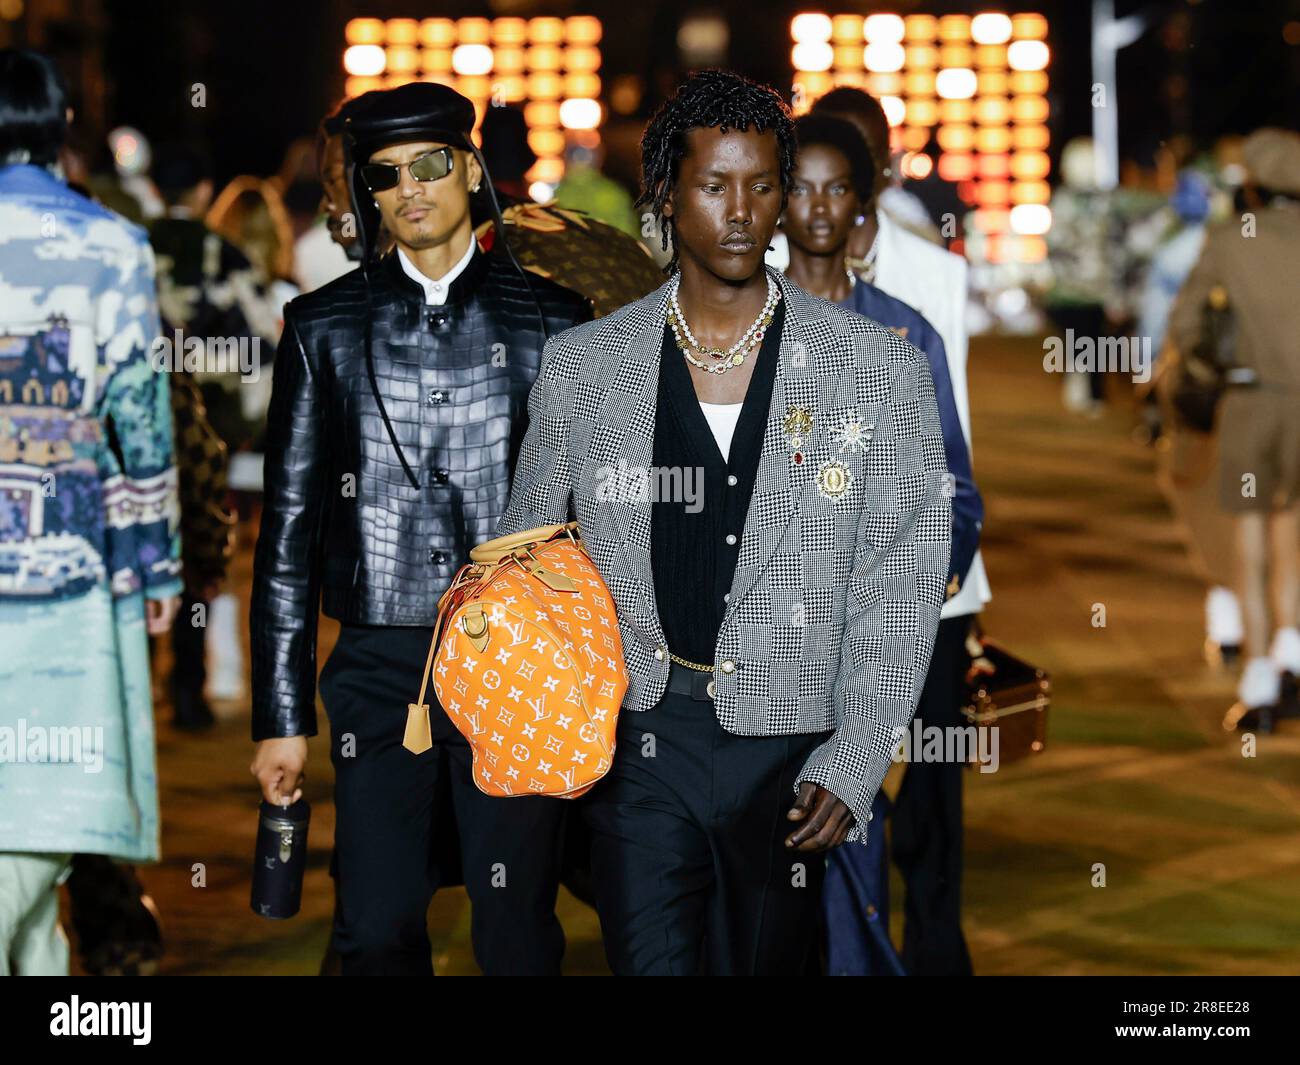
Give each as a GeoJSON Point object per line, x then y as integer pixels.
{"type": "Point", "coordinates": [533, 675]}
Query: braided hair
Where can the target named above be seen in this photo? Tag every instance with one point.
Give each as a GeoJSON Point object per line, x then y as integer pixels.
{"type": "Point", "coordinates": [709, 99]}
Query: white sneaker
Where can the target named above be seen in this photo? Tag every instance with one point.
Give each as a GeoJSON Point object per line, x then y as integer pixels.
{"type": "Point", "coordinates": [1261, 683]}
{"type": "Point", "coordinates": [225, 650]}
{"type": "Point", "coordinates": [1223, 617]}
{"type": "Point", "coordinates": [1285, 651]}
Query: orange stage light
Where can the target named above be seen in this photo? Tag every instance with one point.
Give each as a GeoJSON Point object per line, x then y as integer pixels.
{"type": "Point", "coordinates": [954, 167]}
{"type": "Point", "coordinates": [922, 112]}
{"type": "Point", "coordinates": [435, 60]}
{"type": "Point", "coordinates": [920, 27]}
{"type": "Point", "coordinates": [544, 57]}
{"type": "Point", "coordinates": [402, 31]}
{"type": "Point", "coordinates": [581, 60]}
{"type": "Point", "coordinates": [401, 59]}
{"type": "Point", "coordinates": [884, 84]}
{"type": "Point", "coordinates": [542, 115]}
{"type": "Point", "coordinates": [992, 140]}
{"type": "Point", "coordinates": [921, 56]}
{"type": "Point", "coordinates": [913, 138]}
{"type": "Point", "coordinates": [993, 167]}
{"type": "Point", "coordinates": [583, 29]}
{"type": "Point", "coordinates": [1028, 27]}
{"type": "Point", "coordinates": [509, 31]}
{"type": "Point", "coordinates": [437, 33]}
{"type": "Point", "coordinates": [582, 85]}
{"type": "Point", "coordinates": [1032, 166]}
{"type": "Point", "coordinates": [956, 55]}
{"type": "Point", "coordinates": [847, 29]}
{"type": "Point", "coordinates": [474, 30]}
{"type": "Point", "coordinates": [1029, 109]}
{"type": "Point", "coordinates": [1031, 192]}
{"type": "Point", "coordinates": [956, 111]}
{"type": "Point", "coordinates": [509, 60]}
{"type": "Point", "coordinates": [364, 31]}
{"type": "Point", "coordinates": [545, 86]}
{"type": "Point", "coordinates": [1035, 137]}
{"type": "Point", "coordinates": [992, 110]}
{"type": "Point", "coordinates": [954, 28]}
{"type": "Point", "coordinates": [992, 194]}
{"type": "Point", "coordinates": [956, 138]}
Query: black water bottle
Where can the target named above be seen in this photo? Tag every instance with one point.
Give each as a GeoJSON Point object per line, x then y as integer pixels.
{"type": "Point", "coordinates": [281, 859]}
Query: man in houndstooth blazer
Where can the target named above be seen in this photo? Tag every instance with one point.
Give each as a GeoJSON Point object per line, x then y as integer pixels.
{"type": "Point", "coordinates": [823, 639]}
{"type": "Point", "coordinates": [835, 603]}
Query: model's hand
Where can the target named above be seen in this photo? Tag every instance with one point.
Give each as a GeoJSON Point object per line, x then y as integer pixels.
{"type": "Point", "coordinates": [279, 766]}
{"type": "Point", "coordinates": [160, 613]}
{"type": "Point", "coordinates": [826, 820]}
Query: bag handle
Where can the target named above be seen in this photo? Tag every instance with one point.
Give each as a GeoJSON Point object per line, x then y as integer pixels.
{"type": "Point", "coordinates": [494, 550]}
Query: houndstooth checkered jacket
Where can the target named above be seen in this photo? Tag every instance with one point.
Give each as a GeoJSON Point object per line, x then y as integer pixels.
{"type": "Point", "coordinates": [833, 610]}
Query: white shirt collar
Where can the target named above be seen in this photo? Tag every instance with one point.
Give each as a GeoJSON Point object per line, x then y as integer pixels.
{"type": "Point", "coordinates": [436, 291]}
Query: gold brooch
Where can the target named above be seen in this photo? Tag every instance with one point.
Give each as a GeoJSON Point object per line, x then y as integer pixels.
{"type": "Point", "coordinates": [833, 479]}
{"type": "Point", "coordinates": [798, 421]}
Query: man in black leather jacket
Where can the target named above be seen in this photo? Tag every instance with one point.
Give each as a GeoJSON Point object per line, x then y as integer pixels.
{"type": "Point", "coordinates": [399, 401]}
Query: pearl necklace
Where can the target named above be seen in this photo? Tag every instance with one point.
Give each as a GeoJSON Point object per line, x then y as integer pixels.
{"type": "Point", "coordinates": [866, 266]}
{"type": "Point", "coordinates": [733, 356]}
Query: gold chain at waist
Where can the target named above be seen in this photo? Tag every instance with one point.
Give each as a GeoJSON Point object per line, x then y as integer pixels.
{"type": "Point", "coordinates": [690, 665]}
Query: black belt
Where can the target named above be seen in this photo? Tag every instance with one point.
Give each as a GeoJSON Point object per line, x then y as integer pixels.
{"type": "Point", "coordinates": [690, 682]}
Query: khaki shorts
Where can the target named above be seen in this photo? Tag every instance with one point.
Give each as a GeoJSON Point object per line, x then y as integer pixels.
{"type": "Point", "coordinates": [1259, 449]}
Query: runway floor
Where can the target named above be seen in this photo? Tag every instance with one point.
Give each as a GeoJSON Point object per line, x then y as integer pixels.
{"type": "Point", "coordinates": [1200, 846]}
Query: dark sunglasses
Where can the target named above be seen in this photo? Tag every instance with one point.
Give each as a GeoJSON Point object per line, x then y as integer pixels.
{"type": "Point", "coordinates": [429, 167]}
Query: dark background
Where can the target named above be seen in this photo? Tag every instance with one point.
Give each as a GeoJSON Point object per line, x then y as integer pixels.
{"type": "Point", "coordinates": [272, 67]}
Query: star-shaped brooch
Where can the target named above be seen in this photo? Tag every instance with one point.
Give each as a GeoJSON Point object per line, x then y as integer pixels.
{"type": "Point", "coordinates": [854, 435]}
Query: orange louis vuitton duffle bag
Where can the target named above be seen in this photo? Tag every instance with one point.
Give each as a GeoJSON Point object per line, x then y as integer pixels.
{"type": "Point", "coordinates": [527, 662]}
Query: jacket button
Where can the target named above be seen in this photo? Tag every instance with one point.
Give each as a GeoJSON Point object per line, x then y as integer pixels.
{"type": "Point", "coordinates": [437, 320]}
{"type": "Point", "coordinates": [441, 476]}
{"type": "Point", "coordinates": [728, 666]}
{"type": "Point", "coordinates": [437, 396]}
{"type": "Point", "coordinates": [437, 557]}
{"type": "Point", "coordinates": [659, 653]}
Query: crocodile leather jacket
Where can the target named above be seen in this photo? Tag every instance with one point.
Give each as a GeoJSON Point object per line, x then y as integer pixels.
{"type": "Point", "coordinates": [343, 524]}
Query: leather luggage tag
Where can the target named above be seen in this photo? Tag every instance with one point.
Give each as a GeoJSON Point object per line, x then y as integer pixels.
{"type": "Point", "coordinates": [417, 738]}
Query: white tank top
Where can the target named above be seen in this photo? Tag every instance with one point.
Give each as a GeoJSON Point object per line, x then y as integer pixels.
{"type": "Point", "coordinates": [722, 418]}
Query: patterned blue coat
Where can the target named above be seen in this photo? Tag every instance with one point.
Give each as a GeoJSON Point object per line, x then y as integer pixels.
{"type": "Point", "coordinates": [88, 521]}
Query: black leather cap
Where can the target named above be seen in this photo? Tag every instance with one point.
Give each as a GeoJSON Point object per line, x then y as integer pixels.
{"type": "Point", "coordinates": [419, 110]}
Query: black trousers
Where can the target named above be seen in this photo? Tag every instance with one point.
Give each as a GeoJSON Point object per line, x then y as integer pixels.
{"type": "Point", "coordinates": [386, 800]}
{"type": "Point", "coordinates": [926, 823]}
{"type": "Point", "coordinates": [189, 668]}
{"type": "Point", "coordinates": [688, 858]}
